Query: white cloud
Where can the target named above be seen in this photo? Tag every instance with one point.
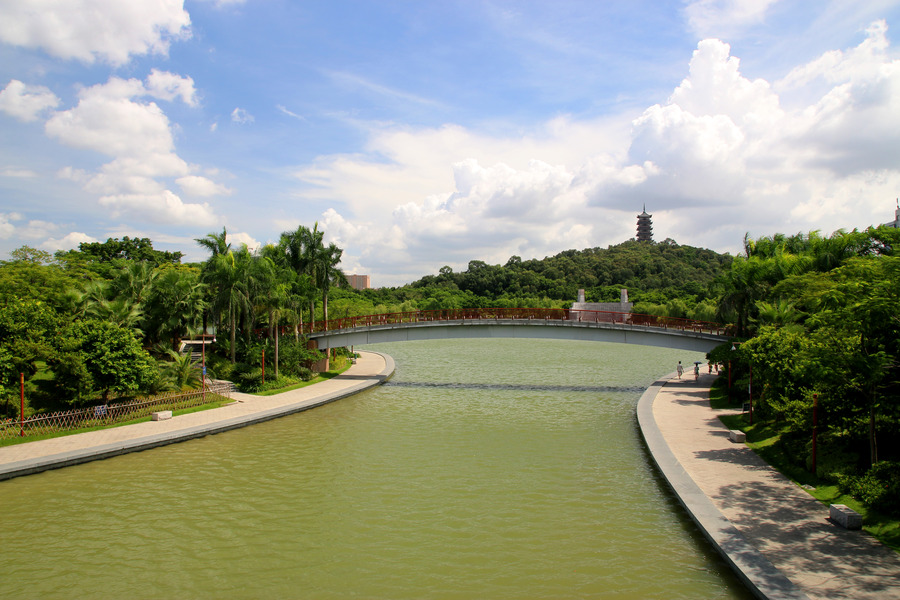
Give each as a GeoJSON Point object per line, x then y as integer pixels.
{"type": "Point", "coordinates": [162, 207]}
{"type": "Point", "coordinates": [721, 149]}
{"type": "Point", "coordinates": [116, 120]}
{"type": "Point", "coordinates": [85, 30]}
{"type": "Point", "coordinates": [238, 238]}
{"type": "Point", "coordinates": [25, 102]}
{"type": "Point", "coordinates": [290, 113]}
{"type": "Point", "coordinates": [239, 115]}
{"type": "Point", "coordinates": [68, 242]}
{"type": "Point", "coordinates": [195, 185]}
{"type": "Point", "coordinates": [168, 86]}
{"type": "Point", "coordinates": [7, 229]}
{"type": "Point", "coordinates": [31, 230]}
{"type": "Point", "coordinates": [108, 119]}
{"type": "Point", "coordinates": [17, 173]}
{"type": "Point", "coordinates": [725, 17]}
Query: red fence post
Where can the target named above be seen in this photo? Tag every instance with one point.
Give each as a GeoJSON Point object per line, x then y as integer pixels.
{"type": "Point", "coordinates": [21, 404]}
{"type": "Point", "coordinates": [815, 430]}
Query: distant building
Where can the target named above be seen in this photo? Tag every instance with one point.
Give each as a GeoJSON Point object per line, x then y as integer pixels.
{"type": "Point", "coordinates": [896, 222]}
{"type": "Point", "coordinates": [359, 282]}
{"type": "Point", "coordinates": [644, 227]}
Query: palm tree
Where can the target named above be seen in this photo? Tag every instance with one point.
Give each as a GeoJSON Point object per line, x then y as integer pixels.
{"type": "Point", "coordinates": [216, 243]}
{"type": "Point", "coordinates": [329, 274]}
{"type": "Point", "coordinates": [302, 249]}
{"type": "Point", "coordinates": [227, 273]}
{"type": "Point", "coordinates": [181, 373]}
{"type": "Point", "coordinates": [175, 304]}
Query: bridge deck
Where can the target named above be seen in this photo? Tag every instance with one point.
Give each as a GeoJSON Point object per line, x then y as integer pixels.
{"type": "Point", "coordinates": [520, 323]}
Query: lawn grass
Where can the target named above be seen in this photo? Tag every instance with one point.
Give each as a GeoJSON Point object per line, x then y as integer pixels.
{"type": "Point", "coordinates": [220, 401]}
{"type": "Point", "coordinates": [763, 439]}
{"type": "Point", "coordinates": [325, 376]}
{"type": "Point", "coordinates": [341, 365]}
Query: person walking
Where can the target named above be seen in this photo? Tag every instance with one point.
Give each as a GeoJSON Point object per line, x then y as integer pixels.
{"type": "Point", "coordinates": [679, 369]}
{"type": "Point", "coordinates": [696, 371]}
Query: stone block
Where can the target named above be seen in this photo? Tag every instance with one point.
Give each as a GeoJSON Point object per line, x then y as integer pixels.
{"type": "Point", "coordinates": [845, 517]}
{"type": "Point", "coordinates": [736, 435]}
{"type": "Point", "coordinates": [161, 415]}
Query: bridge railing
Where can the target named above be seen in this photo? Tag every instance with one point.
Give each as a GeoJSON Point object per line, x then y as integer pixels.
{"type": "Point", "coordinates": [493, 314]}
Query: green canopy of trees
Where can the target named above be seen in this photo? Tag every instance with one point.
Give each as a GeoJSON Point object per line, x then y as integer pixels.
{"type": "Point", "coordinates": [821, 319]}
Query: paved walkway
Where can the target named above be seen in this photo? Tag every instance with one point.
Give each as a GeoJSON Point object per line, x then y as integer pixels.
{"type": "Point", "coordinates": [777, 537]}
{"type": "Point", "coordinates": [371, 369]}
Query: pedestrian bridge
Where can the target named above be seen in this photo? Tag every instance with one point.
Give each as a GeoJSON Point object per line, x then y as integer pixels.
{"type": "Point", "coordinates": [598, 326]}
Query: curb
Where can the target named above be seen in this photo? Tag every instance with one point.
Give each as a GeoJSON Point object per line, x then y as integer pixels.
{"type": "Point", "coordinates": [758, 574]}
{"type": "Point", "coordinates": [75, 457]}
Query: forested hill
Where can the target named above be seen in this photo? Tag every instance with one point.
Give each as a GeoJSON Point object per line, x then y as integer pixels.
{"type": "Point", "coordinates": [652, 272]}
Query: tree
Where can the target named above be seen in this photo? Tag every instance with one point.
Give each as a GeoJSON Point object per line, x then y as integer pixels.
{"type": "Point", "coordinates": [216, 243]}
{"type": "Point", "coordinates": [27, 330]}
{"type": "Point", "coordinates": [228, 274]}
{"type": "Point", "coordinates": [329, 274]}
{"type": "Point", "coordinates": [179, 373]}
{"type": "Point", "coordinates": [175, 305]}
{"type": "Point", "coordinates": [111, 356]}
{"type": "Point", "coordinates": [31, 255]}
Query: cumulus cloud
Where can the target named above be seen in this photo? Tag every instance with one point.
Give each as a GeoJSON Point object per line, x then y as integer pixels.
{"type": "Point", "coordinates": [7, 228]}
{"type": "Point", "coordinates": [25, 102]}
{"type": "Point", "coordinates": [118, 119]}
{"type": "Point", "coordinates": [168, 86]}
{"type": "Point", "coordinates": [163, 207]}
{"type": "Point", "coordinates": [238, 238]}
{"type": "Point", "coordinates": [196, 185]}
{"type": "Point", "coordinates": [70, 241]}
{"type": "Point", "coordinates": [86, 30]}
{"type": "Point", "coordinates": [721, 145]}
{"type": "Point", "coordinates": [30, 230]}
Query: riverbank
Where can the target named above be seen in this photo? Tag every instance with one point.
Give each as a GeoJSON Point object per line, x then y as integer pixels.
{"type": "Point", "coordinates": [776, 536]}
{"type": "Point", "coordinates": [371, 369]}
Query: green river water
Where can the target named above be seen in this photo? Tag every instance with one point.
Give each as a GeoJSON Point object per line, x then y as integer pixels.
{"type": "Point", "coordinates": [484, 469]}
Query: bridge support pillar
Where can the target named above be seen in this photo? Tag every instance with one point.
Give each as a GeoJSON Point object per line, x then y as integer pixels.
{"type": "Point", "coordinates": [322, 365]}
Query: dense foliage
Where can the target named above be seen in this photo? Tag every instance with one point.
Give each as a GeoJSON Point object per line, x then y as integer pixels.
{"type": "Point", "coordinates": [108, 319]}
{"type": "Point", "coordinates": [820, 321]}
{"type": "Point", "coordinates": [662, 279]}
{"type": "Point", "coordinates": [814, 318]}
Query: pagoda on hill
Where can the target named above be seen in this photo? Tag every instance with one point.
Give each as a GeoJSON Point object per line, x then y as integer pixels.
{"type": "Point", "coordinates": [644, 227]}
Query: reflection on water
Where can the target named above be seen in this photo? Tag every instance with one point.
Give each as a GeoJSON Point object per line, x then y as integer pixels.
{"type": "Point", "coordinates": [492, 469]}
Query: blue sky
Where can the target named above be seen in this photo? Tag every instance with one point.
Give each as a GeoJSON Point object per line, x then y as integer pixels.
{"type": "Point", "coordinates": [422, 134]}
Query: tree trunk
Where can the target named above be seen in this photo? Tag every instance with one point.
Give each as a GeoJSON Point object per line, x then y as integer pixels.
{"type": "Point", "coordinates": [233, 327]}
{"type": "Point", "coordinates": [873, 443]}
{"type": "Point", "coordinates": [277, 335]}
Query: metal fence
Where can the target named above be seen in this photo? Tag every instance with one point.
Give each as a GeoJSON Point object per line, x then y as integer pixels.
{"type": "Point", "coordinates": [110, 414]}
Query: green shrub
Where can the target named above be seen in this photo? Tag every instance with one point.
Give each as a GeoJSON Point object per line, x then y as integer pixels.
{"type": "Point", "coordinates": [878, 488]}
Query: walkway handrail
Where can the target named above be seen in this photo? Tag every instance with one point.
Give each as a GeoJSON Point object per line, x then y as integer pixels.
{"type": "Point", "coordinates": [494, 314]}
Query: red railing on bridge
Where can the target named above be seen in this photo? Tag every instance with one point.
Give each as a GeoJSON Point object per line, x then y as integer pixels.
{"type": "Point", "coordinates": [493, 314]}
